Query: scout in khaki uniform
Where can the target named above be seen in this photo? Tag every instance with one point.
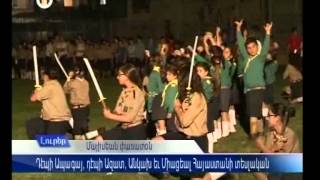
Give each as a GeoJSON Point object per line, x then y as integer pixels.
{"type": "Point", "coordinates": [55, 113]}
{"type": "Point", "coordinates": [78, 88]}
{"type": "Point", "coordinates": [190, 112]}
{"type": "Point", "coordinates": [129, 110]}
{"type": "Point", "coordinates": [254, 84]}
{"type": "Point", "coordinates": [280, 139]}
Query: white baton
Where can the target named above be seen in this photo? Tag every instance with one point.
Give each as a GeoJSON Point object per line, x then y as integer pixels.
{"type": "Point", "coordinates": [95, 82]}
{"type": "Point", "coordinates": [35, 63]}
{"type": "Point", "coordinates": [61, 67]}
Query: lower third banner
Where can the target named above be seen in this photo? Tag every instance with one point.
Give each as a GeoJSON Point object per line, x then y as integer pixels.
{"type": "Point", "coordinates": [285, 163]}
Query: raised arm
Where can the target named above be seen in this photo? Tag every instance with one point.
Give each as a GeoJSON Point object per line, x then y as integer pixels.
{"type": "Point", "coordinates": [218, 37]}
{"type": "Point", "coordinates": [240, 40]}
{"type": "Point", "coordinates": [266, 42]}
{"type": "Point", "coordinates": [206, 37]}
{"type": "Point", "coordinates": [67, 84]}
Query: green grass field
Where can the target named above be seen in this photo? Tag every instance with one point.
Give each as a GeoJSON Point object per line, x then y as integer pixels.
{"type": "Point", "coordinates": [23, 109]}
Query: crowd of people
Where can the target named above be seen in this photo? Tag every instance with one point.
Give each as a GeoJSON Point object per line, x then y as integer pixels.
{"type": "Point", "coordinates": [105, 56]}
{"type": "Point", "coordinates": [160, 100]}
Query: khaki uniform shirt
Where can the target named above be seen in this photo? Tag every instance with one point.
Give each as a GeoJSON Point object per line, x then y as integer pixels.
{"type": "Point", "coordinates": [78, 90]}
{"type": "Point", "coordinates": [54, 103]}
{"type": "Point", "coordinates": [194, 118]}
{"type": "Point", "coordinates": [131, 102]}
{"type": "Point", "coordinates": [288, 143]}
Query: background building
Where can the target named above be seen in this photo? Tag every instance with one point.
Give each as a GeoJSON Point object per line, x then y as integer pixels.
{"type": "Point", "coordinates": [182, 18]}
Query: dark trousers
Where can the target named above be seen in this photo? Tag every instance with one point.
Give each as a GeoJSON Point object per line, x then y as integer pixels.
{"type": "Point", "coordinates": [80, 120]}
{"type": "Point", "coordinates": [37, 126]}
{"type": "Point", "coordinates": [202, 141]}
{"type": "Point", "coordinates": [138, 132]}
{"type": "Point", "coordinates": [254, 99]}
{"type": "Point", "coordinates": [213, 112]}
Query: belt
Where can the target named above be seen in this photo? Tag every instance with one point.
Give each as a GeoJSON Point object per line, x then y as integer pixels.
{"type": "Point", "coordinates": [123, 126]}
{"type": "Point", "coordinates": [78, 106]}
{"type": "Point", "coordinates": [256, 88]}
{"type": "Point", "coordinates": [57, 120]}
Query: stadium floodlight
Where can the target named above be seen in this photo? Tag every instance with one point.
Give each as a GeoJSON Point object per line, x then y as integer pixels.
{"type": "Point", "coordinates": [103, 2]}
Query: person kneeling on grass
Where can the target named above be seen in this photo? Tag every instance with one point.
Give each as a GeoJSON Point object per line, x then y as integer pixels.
{"type": "Point", "coordinates": [190, 113]}
{"type": "Point", "coordinates": [78, 88]}
{"type": "Point", "coordinates": [280, 138]}
{"type": "Point", "coordinates": [129, 110]}
{"type": "Point", "coordinates": [55, 113]}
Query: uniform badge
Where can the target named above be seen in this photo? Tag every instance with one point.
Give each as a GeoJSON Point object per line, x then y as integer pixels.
{"type": "Point", "coordinates": [125, 109]}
